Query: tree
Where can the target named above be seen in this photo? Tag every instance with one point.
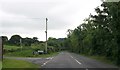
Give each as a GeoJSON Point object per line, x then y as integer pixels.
{"type": "Point", "coordinates": [56, 43]}
{"type": "Point", "coordinates": [114, 11]}
{"type": "Point", "coordinates": [15, 40]}
{"type": "Point", "coordinates": [99, 34]}
{"type": "Point", "coordinates": [27, 41]}
{"type": "Point", "coordinates": [4, 39]}
{"type": "Point", "coordinates": [35, 40]}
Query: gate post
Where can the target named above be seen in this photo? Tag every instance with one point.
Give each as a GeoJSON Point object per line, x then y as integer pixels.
{"type": "Point", "coordinates": [1, 49]}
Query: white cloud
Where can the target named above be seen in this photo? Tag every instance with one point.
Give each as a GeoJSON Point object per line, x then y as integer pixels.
{"type": "Point", "coordinates": [15, 16]}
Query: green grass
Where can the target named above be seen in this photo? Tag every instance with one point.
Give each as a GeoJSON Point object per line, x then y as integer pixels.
{"type": "Point", "coordinates": [0, 65]}
{"type": "Point", "coordinates": [100, 58]}
{"type": "Point", "coordinates": [28, 53]}
{"type": "Point", "coordinates": [23, 53]}
{"type": "Point", "coordinates": [10, 63]}
{"type": "Point", "coordinates": [8, 47]}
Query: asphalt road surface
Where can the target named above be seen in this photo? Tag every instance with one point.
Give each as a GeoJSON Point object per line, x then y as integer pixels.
{"type": "Point", "coordinates": [69, 60]}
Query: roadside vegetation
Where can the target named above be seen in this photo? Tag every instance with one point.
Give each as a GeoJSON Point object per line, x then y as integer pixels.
{"type": "Point", "coordinates": [17, 46]}
{"type": "Point", "coordinates": [103, 59]}
{"type": "Point", "coordinates": [29, 53]}
{"type": "Point", "coordinates": [99, 35]}
{"type": "Point", "coordinates": [0, 64]}
{"type": "Point", "coordinates": [10, 63]}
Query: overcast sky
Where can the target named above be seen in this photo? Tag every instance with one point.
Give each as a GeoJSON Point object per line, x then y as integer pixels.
{"type": "Point", "coordinates": [27, 17]}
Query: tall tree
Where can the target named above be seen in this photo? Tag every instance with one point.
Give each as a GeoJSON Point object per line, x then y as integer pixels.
{"type": "Point", "coordinates": [99, 34]}
{"type": "Point", "coordinates": [4, 39]}
{"type": "Point", "coordinates": [15, 40]}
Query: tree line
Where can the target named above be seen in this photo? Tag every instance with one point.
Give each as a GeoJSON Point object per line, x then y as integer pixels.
{"type": "Point", "coordinates": [15, 40]}
{"type": "Point", "coordinates": [99, 34]}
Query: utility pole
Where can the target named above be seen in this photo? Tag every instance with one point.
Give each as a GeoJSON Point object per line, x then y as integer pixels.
{"type": "Point", "coordinates": [46, 35]}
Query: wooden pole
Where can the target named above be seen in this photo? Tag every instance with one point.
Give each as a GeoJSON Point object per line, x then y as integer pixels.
{"type": "Point", "coordinates": [1, 49]}
{"type": "Point", "coordinates": [46, 35]}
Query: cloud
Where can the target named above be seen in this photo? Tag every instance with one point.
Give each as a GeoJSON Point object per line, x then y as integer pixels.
{"type": "Point", "coordinates": [27, 17]}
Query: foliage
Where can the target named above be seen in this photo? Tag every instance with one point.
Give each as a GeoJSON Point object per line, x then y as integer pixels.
{"type": "Point", "coordinates": [37, 46]}
{"type": "Point", "coordinates": [18, 40]}
{"type": "Point", "coordinates": [4, 39]}
{"type": "Point", "coordinates": [17, 43]}
{"type": "Point", "coordinates": [27, 51]}
{"type": "Point", "coordinates": [8, 48]}
{"type": "Point", "coordinates": [56, 43]}
{"type": "Point", "coordinates": [99, 34]}
{"type": "Point", "coordinates": [15, 40]}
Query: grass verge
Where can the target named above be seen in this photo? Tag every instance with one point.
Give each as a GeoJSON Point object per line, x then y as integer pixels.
{"type": "Point", "coordinates": [0, 65]}
{"type": "Point", "coordinates": [100, 58]}
{"type": "Point", "coordinates": [10, 63]}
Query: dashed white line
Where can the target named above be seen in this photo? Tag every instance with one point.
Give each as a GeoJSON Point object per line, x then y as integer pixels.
{"type": "Point", "coordinates": [76, 60]}
{"type": "Point", "coordinates": [47, 61]}
{"type": "Point", "coordinates": [49, 58]}
{"type": "Point", "coordinates": [71, 57]}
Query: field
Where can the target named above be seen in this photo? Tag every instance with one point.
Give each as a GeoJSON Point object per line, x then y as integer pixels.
{"type": "Point", "coordinates": [8, 47]}
{"type": "Point", "coordinates": [27, 51]}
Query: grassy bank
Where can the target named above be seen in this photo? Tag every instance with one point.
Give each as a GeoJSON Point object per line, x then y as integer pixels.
{"type": "Point", "coordinates": [100, 58]}
{"type": "Point", "coordinates": [23, 53]}
{"type": "Point", "coordinates": [10, 63]}
{"type": "Point", "coordinates": [0, 65]}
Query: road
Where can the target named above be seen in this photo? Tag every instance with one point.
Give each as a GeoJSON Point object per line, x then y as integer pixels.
{"type": "Point", "coordinates": [69, 60]}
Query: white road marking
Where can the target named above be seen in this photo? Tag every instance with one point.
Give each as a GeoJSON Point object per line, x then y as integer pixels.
{"type": "Point", "coordinates": [49, 58]}
{"type": "Point", "coordinates": [47, 61]}
{"type": "Point", "coordinates": [32, 58]}
{"type": "Point", "coordinates": [86, 69]}
{"type": "Point", "coordinates": [76, 60]}
{"type": "Point", "coordinates": [71, 57]}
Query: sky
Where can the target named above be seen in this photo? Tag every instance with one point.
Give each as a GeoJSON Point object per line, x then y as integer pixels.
{"type": "Point", "coordinates": [27, 17]}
